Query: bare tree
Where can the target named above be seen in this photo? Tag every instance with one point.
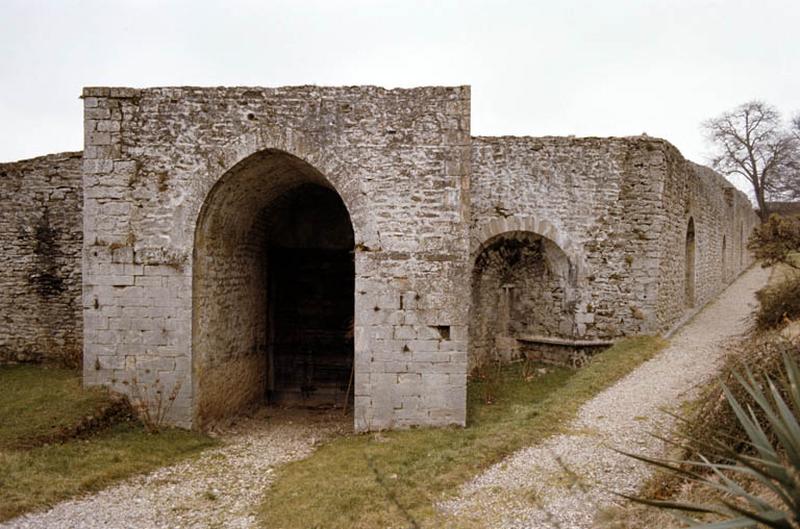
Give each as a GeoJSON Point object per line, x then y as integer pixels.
{"type": "Point", "coordinates": [788, 182]}
{"type": "Point", "coordinates": [752, 142]}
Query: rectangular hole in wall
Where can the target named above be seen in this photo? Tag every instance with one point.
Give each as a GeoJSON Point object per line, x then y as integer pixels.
{"type": "Point", "coordinates": [444, 331]}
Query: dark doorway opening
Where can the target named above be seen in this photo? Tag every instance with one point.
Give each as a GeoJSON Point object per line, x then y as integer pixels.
{"type": "Point", "coordinates": [273, 291]}
{"type": "Point", "coordinates": [310, 302]}
{"type": "Point", "coordinates": [312, 310]}
{"type": "Point", "coordinates": [724, 259]}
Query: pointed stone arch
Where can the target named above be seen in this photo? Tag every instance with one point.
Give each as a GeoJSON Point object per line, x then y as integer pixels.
{"type": "Point", "coordinates": [524, 281]}
{"type": "Point", "coordinates": [271, 215]}
{"type": "Point", "coordinates": [293, 142]}
{"type": "Point", "coordinates": [483, 235]}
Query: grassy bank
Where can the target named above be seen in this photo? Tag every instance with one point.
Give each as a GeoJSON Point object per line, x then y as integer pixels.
{"type": "Point", "coordinates": [394, 478]}
{"type": "Point", "coordinates": [58, 440]}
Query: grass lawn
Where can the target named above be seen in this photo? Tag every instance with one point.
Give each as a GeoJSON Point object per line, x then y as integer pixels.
{"type": "Point", "coordinates": [393, 479]}
{"type": "Point", "coordinates": [43, 461]}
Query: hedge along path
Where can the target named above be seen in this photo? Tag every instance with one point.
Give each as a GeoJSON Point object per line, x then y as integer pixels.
{"type": "Point", "coordinates": [563, 482]}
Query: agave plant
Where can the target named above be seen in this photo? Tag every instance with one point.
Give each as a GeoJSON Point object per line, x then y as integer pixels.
{"type": "Point", "coordinates": [773, 461]}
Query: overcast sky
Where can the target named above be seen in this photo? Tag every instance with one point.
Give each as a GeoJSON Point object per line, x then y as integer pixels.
{"type": "Point", "coordinates": [555, 67]}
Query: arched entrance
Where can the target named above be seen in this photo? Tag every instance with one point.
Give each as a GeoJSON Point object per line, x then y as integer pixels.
{"type": "Point", "coordinates": [273, 282]}
{"type": "Point", "coordinates": [689, 265]}
{"type": "Point", "coordinates": [521, 286]}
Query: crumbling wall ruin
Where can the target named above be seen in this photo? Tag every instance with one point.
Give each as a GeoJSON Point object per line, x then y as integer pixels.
{"type": "Point", "coordinates": [237, 245]}
{"type": "Point", "coordinates": [619, 209]}
{"type": "Point", "coordinates": [40, 259]}
{"type": "Point", "coordinates": [594, 198]}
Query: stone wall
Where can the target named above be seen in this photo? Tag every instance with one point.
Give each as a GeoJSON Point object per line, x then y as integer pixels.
{"type": "Point", "coordinates": [619, 209]}
{"type": "Point", "coordinates": [723, 219]}
{"type": "Point", "coordinates": [597, 200]}
{"type": "Point", "coordinates": [175, 179]}
{"type": "Point", "coordinates": [40, 259]}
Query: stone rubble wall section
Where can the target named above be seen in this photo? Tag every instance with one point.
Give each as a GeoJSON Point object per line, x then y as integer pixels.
{"type": "Point", "coordinates": [722, 215]}
{"type": "Point", "coordinates": [40, 259]}
{"type": "Point", "coordinates": [619, 208]}
{"type": "Point", "coordinates": [596, 198]}
{"type": "Point", "coordinates": [400, 159]}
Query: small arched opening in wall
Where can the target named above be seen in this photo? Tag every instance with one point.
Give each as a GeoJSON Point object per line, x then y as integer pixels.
{"type": "Point", "coordinates": [273, 290]}
{"type": "Point", "coordinates": [742, 245]}
{"type": "Point", "coordinates": [522, 286]}
{"type": "Point", "coordinates": [689, 264]}
{"type": "Point", "coordinates": [724, 259]}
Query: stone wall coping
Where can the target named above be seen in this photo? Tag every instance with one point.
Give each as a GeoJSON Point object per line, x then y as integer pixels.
{"type": "Point", "coordinates": [66, 155]}
{"type": "Point", "coordinates": [124, 92]}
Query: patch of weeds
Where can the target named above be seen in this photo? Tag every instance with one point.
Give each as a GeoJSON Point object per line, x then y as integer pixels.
{"type": "Point", "coordinates": [564, 479]}
{"type": "Point", "coordinates": [152, 402]}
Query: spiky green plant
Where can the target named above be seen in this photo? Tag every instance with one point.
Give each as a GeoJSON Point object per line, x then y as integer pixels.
{"type": "Point", "coordinates": [772, 461]}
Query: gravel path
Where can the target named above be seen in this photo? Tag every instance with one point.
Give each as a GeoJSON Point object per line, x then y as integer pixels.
{"type": "Point", "coordinates": [563, 482]}
{"type": "Point", "coordinates": [219, 489]}
{"type": "Point", "coordinates": [559, 484]}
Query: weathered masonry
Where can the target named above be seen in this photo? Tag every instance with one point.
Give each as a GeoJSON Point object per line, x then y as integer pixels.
{"type": "Point", "coordinates": [311, 245]}
{"type": "Point", "coordinates": [587, 239]}
{"type": "Point", "coordinates": [41, 238]}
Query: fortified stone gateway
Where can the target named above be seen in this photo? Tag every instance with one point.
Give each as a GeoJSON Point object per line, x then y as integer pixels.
{"type": "Point", "coordinates": [243, 244]}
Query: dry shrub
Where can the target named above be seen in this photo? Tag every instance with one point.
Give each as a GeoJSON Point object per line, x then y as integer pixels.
{"type": "Point", "coordinates": [776, 241]}
{"type": "Point", "coordinates": [713, 420]}
{"type": "Point", "coordinates": [632, 515]}
{"type": "Point", "coordinates": [779, 303]}
{"type": "Point", "coordinates": [152, 402]}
